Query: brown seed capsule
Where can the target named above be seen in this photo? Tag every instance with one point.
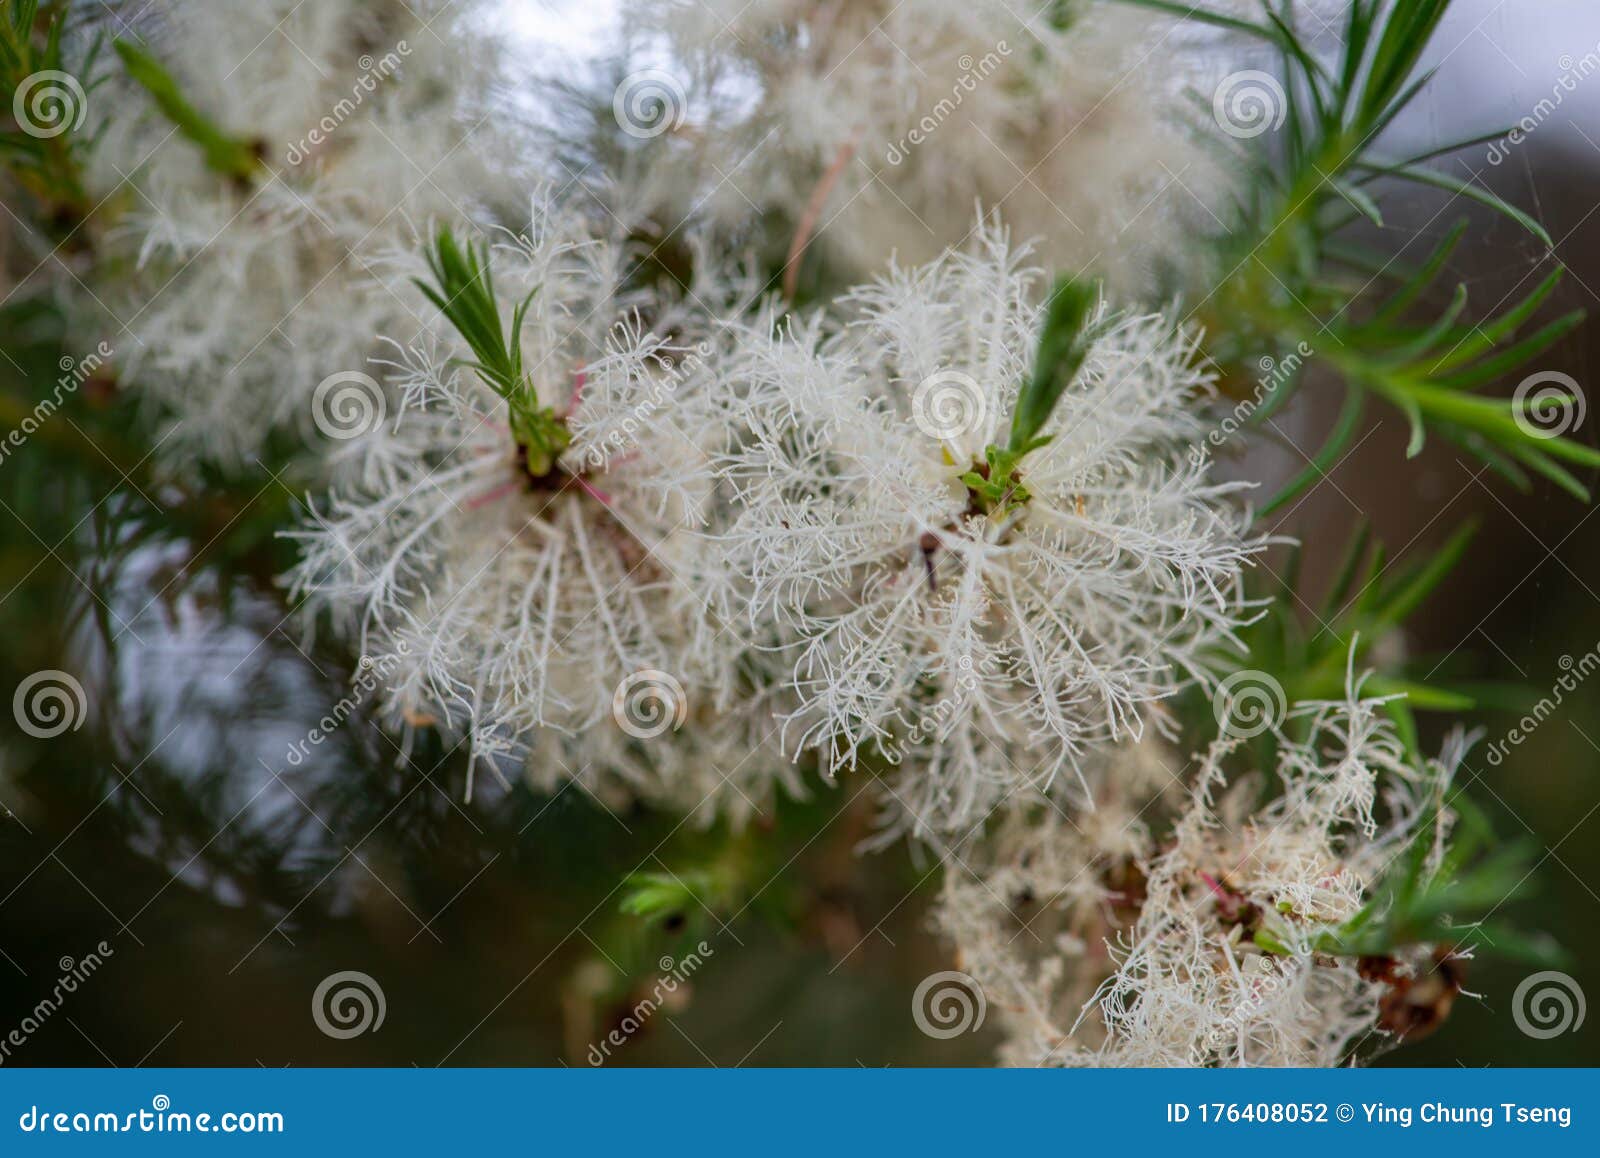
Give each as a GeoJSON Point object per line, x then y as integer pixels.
{"type": "Point", "coordinates": [1375, 968]}
{"type": "Point", "coordinates": [1416, 1006]}
{"type": "Point", "coordinates": [929, 545]}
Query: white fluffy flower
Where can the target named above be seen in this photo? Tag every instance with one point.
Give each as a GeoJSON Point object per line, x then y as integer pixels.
{"type": "Point", "coordinates": [545, 614]}
{"type": "Point", "coordinates": [1103, 944]}
{"type": "Point", "coordinates": [985, 648]}
{"type": "Point", "coordinates": [877, 124]}
{"type": "Point", "coordinates": [248, 293]}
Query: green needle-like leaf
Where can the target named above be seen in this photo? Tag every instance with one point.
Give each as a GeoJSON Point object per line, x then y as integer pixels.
{"type": "Point", "coordinates": [223, 153]}
{"type": "Point", "coordinates": [463, 290]}
{"type": "Point", "coordinates": [1063, 345]}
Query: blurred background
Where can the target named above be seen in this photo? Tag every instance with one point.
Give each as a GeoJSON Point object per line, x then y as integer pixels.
{"type": "Point", "coordinates": [228, 873]}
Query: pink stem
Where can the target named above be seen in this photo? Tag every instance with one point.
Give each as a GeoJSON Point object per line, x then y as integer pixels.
{"type": "Point", "coordinates": [599, 495]}
{"type": "Point", "coordinates": [580, 377]}
{"type": "Point", "coordinates": [1211, 883]}
{"type": "Point", "coordinates": [498, 493]}
{"type": "Point", "coordinates": [813, 212]}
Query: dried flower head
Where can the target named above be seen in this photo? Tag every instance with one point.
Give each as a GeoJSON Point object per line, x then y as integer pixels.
{"type": "Point", "coordinates": [264, 155]}
{"type": "Point", "coordinates": [1235, 938]}
{"type": "Point", "coordinates": [875, 125]}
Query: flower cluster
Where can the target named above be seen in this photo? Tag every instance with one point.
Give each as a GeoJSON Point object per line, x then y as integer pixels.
{"type": "Point", "coordinates": [878, 125]}
{"type": "Point", "coordinates": [1033, 618]}
{"type": "Point", "coordinates": [516, 588]}
{"type": "Point", "coordinates": [767, 453]}
{"type": "Point", "coordinates": [309, 139]}
{"type": "Point", "coordinates": [1230, 940]}
{"type": "Point", "coordinates": [794, 526]}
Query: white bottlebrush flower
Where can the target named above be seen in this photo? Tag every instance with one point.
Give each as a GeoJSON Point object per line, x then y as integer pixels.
{"type": "Point", "coordinates": [535, 609]}
{"type": "Point", "coordinates": [877, 124]}
{"type": "Point", "coordinates": [243, 294]}
{"type": "Point", "coordinates": [1031, 906]}
{"type": "Point", "coordinates": [984, 645]}
{"type": "Point", "coordinates": [1215, 944]}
